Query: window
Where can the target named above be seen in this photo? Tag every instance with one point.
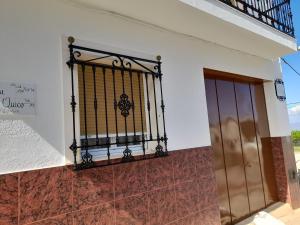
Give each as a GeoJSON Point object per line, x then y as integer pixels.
{"type": "Point", "coordinates": [120, 104]}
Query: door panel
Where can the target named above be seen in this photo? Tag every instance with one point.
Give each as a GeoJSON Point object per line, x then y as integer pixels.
{"type": "Point", "coordinates": [264, 142]}
{"type": "Point", "coordinates": [237, 186]}
{"type": "Point", "coordinates": [249, 145]}
{"type": "Point", "coordinates": [216, 136]}
{"type": "Point", "coordinates": [240, 140]}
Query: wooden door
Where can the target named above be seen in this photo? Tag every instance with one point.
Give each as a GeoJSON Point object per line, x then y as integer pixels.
{"type": "Point", "coordinates": [243, 157]}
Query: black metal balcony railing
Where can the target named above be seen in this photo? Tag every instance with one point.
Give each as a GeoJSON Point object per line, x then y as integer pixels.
{"type": "Point", "coordinates": [275, 13]}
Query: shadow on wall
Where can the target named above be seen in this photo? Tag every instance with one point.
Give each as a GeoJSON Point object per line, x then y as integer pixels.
{"type": "Point", "coordinates": [27, 148]}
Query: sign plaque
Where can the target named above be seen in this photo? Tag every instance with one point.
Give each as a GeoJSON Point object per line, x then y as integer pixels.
{"type": "Point", "coordinates": [17, 98]}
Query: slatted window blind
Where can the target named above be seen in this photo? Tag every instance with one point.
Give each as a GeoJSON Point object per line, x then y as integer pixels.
{"type": "Point", "coordinates": [90, 113]}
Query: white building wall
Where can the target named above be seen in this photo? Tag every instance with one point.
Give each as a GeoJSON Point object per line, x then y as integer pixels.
{"type": "Point", "coordinates": [277, 110]}
{"type": "Point", "coordinates": [34, 50]}
{"type": "Point", "coordinates": [205, 19]}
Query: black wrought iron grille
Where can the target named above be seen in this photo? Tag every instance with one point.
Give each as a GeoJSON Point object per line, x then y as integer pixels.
{"type": "Point", "coordinates": [275, 13]}
{"type": "Point", "coordinates": [121, 107]}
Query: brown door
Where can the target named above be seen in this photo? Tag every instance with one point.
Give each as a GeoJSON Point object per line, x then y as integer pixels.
{"type": "Point", "coordinates": [243, 159]}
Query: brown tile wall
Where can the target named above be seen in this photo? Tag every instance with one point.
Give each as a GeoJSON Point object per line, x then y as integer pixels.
{"type": "Point", "coordinates": [284, 161]}
{"type": "Point", "coordinates": [179, 189]}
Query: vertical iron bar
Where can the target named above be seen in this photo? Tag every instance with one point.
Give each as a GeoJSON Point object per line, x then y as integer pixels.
{"type": "Point", "coordinates": [86, 158]}
{"type": "Point", "coordinates": [288, 18]}
{"type": "Point", "coordinates": [245, 6]}
{"type": "Point", "coordinates": [106, 119]}
{"type": "Point", "coordinates": [273, 15]}
{"type": "Point", "coordinates": [148, 106]}
{"type": "Point", "coordinates": [259, 9]}
{"type": "Point", "coordinates": [115, 104]}
{"type": "Point", "coordinates": [162, 103]}
{"type": "Point", "coordinates": [268, 13]}
{"type": "Point", "coordinates": [141, 110]}
{"type": "Point", "coordinates": [133, 105]}
{"type": "Point", "coordinates": [95, 104]}
{"type": "Point", "coordinates": [84, 107]}
{"type": "Point", "coordinates": [254, 7]}
{"type": "Point", "coordinates": [73, 147]}
{"type": "Point", "coordinates": [264, 7]}
{"type": "Point", "coordinates": [291, 19]}
{"type": "Point", "coordinates": [291, 24]}
{"type": "Point", "coordinates": [285, 19]}
{"type": "Point", "coordinates": [282, 11]}
{"type": "Point", "coordinates": [267, 3]}
{"type": "Point", "coordinates": [127, 156]}
{"type": "Point", "coordinates": [155, 105]}
{"type": "Point", "coordinates": [125, 118]}
{"type": "Point", "coordinates": [280, 18]}
{"type": "Point", "coordinates": [253, 3]}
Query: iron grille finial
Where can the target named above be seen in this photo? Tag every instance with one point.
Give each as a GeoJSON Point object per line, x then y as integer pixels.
{"type": "Point", "coordinates": [71, 40]}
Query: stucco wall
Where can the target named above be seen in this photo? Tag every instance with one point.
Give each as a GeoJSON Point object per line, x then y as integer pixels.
{"type": "Point", "coordinates": [33, 47]}
{"type": "Point", "coordinates": [205, 19]}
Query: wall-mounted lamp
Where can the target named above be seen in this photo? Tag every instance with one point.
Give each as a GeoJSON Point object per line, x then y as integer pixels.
{"type": "Point", "coordinates": [280, 91]}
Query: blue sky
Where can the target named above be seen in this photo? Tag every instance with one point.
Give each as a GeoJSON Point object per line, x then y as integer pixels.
{"type": "Point", "coordinates": [291, 79]}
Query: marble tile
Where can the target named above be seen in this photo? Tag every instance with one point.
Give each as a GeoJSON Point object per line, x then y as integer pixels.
{"type": "Point", "coordinates": [99, 215]}
{"type": "Point", "coordinates": [280, 169]}
{"type": "Point", "coordinates": [204, 163]}
{"type": "Point", "coordinates": [129, 179]}
{"type": "Point", "coordinates": [184, 165]}
{"type": "Point", "coordinates": [162, 206]}
{"type": "Point", "coordinates": [206, 185]}
{"type": "Point", "coordinates": [9, 199]}
{"type": "Point", "coordinates": [45, 193]}
{"type": "Point", "coordinates": [65, 219]}
{"type": "Point", "coordinates": [159, 173]}
{"type": "Point", "coordinates": [205, 156]}
{"type": "Point", "coordinates": [193, 219]}
{"type": "Point", "coordinates": [206, 217]}
{"type": "Point", "coordinates": [92, 187]}
{"type": "Point", "coordinates": [210, 216]}
{"type": "Point", "coordinates": [187, 198]}
{"type": "Point", "coordinates": [132, 210]}
{"type": "Point", "coordinates": [208, 195]}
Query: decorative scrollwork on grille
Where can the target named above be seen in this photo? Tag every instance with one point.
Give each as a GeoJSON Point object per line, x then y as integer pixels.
{"type": "Point", "coordinates": [159, 151]}
{"type": "Point", "coordinates": [124, 105]}
{"type": "Point", "coordinates": [127, 155]}
{"type": "Point", "coordinates": [87, 160]}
